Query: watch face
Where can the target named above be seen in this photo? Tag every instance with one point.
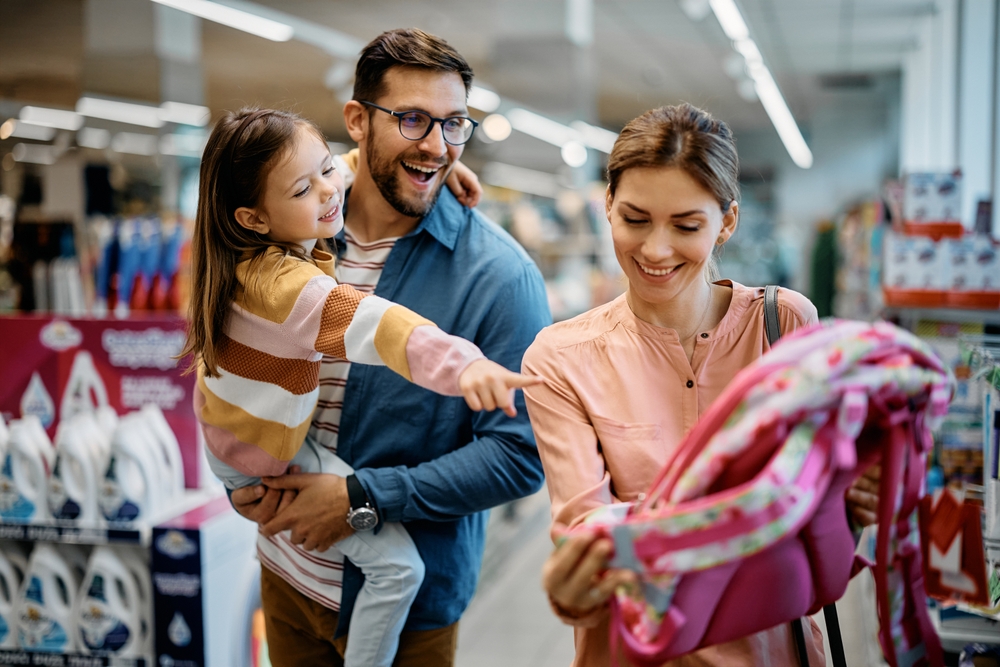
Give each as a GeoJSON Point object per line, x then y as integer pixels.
{"type": "Point", "coordinates": [363, 518]}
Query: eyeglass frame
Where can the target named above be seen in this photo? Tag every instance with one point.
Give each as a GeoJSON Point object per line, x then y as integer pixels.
{"type": "Point", "coordinates": [430, 128]}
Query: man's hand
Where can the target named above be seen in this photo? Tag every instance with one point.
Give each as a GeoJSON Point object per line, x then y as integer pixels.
{"type": "Point", "coordinates": [259, 503]}
{"type": "Point", "coordinates": [317, 516]}
{"type": "Point", "coordinates": [862, 497]}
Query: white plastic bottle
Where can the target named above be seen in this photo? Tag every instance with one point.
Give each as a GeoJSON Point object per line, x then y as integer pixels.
{"type": "Point", "coordinates": [131, 484]}
{"type": "Point", "coordinates": [136, 560]}
{"type": "Point", "coordinates": [10, 582]}
{"type": "Point", "coordinates": [107, 615]}
{"type": "Point", "coordinates": [85, 390]}
{"type": "Point", "coordinates": [73, 484]}
{"type": "Point", "coordinates": [170, 450]}
{"type": "Point", "coordinates": [24, 472]}
{"type": "Point", "coordinates": [43, 609]}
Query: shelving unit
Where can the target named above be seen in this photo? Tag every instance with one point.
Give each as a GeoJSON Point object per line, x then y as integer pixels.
{"type": "Point", "coordinates": [908, 317]}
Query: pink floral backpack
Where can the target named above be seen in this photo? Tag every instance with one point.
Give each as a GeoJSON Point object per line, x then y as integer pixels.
{"type": "Point", "coordinates": [746, 527]}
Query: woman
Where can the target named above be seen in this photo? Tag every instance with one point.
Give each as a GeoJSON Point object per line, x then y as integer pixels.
{"type": "Point", "coordinates": [628, 379]}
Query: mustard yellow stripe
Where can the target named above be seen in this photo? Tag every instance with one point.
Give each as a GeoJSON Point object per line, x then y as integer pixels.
{"type": "Point", "coordinates": [270, 286]}
{"type": "Point", "coordinates": [393, 332]}
{"type": "Point", "coordinates": [276, 439]}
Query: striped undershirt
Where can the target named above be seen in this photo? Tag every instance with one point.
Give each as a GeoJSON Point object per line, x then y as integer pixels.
{"type": "Point", "coordinates": [316, 576]}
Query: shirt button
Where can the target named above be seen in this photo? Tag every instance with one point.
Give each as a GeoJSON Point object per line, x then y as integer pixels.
{"type": "Point", "coordinates": [690, 383]}
{"type": "Point", "coordinates": [704, 335]}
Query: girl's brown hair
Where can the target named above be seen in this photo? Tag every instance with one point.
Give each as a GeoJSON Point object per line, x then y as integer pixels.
{"type": "Point", "coordinates": [685, 137]}
{"type": "Point", "coordinates": [240, 153]}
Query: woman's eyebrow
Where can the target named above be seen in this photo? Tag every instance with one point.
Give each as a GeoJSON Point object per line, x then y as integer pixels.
{"type": "Point", "coordinates": [635, 208]}
{"type": "Point", "coordinates": [687, 214]}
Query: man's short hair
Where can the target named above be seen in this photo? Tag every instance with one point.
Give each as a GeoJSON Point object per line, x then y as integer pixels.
{"type": "Point", "coordinates": [405, 47]}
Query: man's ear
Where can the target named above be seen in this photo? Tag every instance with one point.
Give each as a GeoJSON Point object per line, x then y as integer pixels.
{"type": "Point", "coordinates": [356, 118]}
{"type": "Point", "coordinates": [248, 219]}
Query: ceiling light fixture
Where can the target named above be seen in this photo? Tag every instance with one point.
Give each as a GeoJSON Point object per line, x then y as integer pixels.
{"type": "Point", "coordinates": [483, 99]}
{"type": "Point", "coordinates": [541, 127]}
{"type": "Point", "coordinates": [34, 153]}
{"type": "Point", "coordinates": [92, 137]}
{"type": "Point", "coordinates": [767, 90]}
{"type": "Point", "coordinates": [57, 118]}
{"type": "Point", "coordinates": [23, 130]}
{"type": "Point", "coordinates": [574, 154]}
{"type": "Point", "coordinates": [122, 112]}
{"type": "Point", "coordinates": [496, 127]}
{"type": "Point", "coordinates": [134, 143]}
{"type": "Point", "coordinates": [595, 137]}
{"type": "Point", "coordinates": [234, 18]}
{"type": "Point", "coordinates": [523, 180]}
{"type": "Point", "coordinates": [185, 114]}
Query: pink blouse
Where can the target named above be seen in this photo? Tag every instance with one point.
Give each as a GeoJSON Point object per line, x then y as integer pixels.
{"type": "Point", "coordinates": [620, 396]}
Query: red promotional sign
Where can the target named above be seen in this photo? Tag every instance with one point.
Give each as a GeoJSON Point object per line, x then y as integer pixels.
{"type": "Point", "coordinates": [45, 360]}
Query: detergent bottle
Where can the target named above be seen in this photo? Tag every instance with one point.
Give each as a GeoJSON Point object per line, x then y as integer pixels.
{"type": "Point", "coordinates": [131, 485]}
{"type": "Point", "coordinates": [136, 560]}
{"type": "Point", "coordinates": [10, 582]}
{"type": "Point", "coordinates": [43, 608]}
{"type": "Point", "coordinates": [107, 615]}
{"type": "Point", "coordinates": [80, 460]}
{"type": "Point", "coordinates": [24, 472]}
{"type": "Point", "coordinates": [85, 390]}
{"type": "Point", "coordinates": [170, 451]}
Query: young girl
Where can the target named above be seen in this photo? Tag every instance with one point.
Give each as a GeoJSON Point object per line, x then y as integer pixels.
{"type": "Point", "coordinates": [265, 308]}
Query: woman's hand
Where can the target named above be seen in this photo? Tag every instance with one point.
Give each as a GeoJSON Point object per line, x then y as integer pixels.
{"type": "Point", "coordinates": [576, 576]}
{"type": "Point", "coordinates": [464, 184]}
{"type": "Point", "coordinates": [487, 385]}
{"type": "Point", "coordinates": [862, 497]}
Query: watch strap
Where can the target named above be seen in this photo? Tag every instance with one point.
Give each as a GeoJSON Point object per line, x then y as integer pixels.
{"type": "Point", "coordinates": [356, 493]}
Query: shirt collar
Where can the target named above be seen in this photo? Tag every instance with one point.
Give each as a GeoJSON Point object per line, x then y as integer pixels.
{"type": "Point", "coordinates": [442, 223]}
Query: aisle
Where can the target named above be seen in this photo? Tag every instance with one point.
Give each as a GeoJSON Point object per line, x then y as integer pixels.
{"type": "Point", "coordinates": [509, 621]}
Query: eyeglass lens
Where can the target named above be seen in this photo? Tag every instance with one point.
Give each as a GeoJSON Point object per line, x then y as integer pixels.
{"type": "Point", "coordinates": [416, 125]}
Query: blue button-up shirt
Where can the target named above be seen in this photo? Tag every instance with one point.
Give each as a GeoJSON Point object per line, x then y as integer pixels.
{"type": "Point", "coordinates": [428, 460]}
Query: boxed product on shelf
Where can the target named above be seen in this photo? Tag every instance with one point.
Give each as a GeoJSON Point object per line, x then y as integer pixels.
{"type": "Point", "coordinates": [921, 272]}
{"type": "Point", "coordinates": [932, 204]}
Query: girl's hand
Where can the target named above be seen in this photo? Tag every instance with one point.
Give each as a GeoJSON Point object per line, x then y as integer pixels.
{"type": "Point", "coordinates": [576, 576]}
{"type": "Point", "coordinates": [487, 386]}
{"type": "Point", "coordinates": [464, 184]}
{"type": "Point", "coordinates": [862, 497]}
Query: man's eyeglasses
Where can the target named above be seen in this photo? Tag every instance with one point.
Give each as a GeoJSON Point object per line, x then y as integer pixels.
{"type": "Point", "coordinates": [415, 125]}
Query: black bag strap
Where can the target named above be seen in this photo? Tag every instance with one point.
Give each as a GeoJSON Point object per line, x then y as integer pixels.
{"type": "Point", "coordinates": [772, 327]}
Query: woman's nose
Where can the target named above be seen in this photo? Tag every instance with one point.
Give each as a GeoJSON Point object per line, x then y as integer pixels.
{"type": "Point", "coordinates": [658, 246]}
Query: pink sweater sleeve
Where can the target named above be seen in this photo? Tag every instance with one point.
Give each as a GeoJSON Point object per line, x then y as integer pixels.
{"type": "Point", "coordinates": [437, 359]}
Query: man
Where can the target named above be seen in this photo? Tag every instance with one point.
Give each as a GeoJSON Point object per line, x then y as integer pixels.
{"type": "Point", "coordinates": [419, 458]}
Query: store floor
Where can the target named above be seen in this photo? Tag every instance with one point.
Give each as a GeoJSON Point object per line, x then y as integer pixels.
{"type": "Point", "coordinates": [509, 621]}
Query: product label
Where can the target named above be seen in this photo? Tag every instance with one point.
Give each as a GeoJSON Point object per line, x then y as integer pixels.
{"type": "Point", "coordinates": [100, 629]}
{"type": "Point", "coordinates": [37, 401]}
{"type": "Point", "coordinates": [13, 506]}
{"type": "Point", "coordinates": [40, 632]}
{"type": "Point", "coordinates": [60, 504]}
{"type": "Point", "coordinates": [4, 630]}
{"type": "Point", "coordinates": [114, 505]}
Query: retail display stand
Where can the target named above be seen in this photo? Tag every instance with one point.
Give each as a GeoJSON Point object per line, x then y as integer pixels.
{"type": "Point", "coordinates": [200, 552]}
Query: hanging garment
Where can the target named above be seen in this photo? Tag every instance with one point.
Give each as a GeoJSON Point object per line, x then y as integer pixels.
{"type": "Point", "coordinates": [746, 527]}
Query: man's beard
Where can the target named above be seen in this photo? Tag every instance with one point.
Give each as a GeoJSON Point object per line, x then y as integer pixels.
{"type": "Point", "coordinates": [383, 172]}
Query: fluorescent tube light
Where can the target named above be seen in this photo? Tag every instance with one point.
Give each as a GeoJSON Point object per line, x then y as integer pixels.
{"type": "Point", "coordinates": [34, 153]}
{"type": "Point", "coordinates": [595, 137]}
{"type": "Point", "coordinates": [483, 99]}
{"type": "Point", "coordinates": [730, 19]}
{"type": "Point", "coordinates": [523, 180]}
{"type": "Point", "coordinates": [122, 112]}
{"type": "Point", "coordinates": [767, 90]}
{"type": "Point", "coordinates": [540, 127]}
{"type": "Point", "coordinates": [781, 117]}
{"type": "Point", "coordinates": [183, 145]}
{"type": "Point", "coordinates": [234, 18]}
{"type": "Point", "coordinates": [23, 130]}
{"type": "Point", "coordinates": [92, 137]}
{"type": "Point", "coordinates": [57, 118]}
{"type": "Point", "coordinates": [574, 154]}
{"type": "Point", "coordinates": [136, 144]}
{"type": "Point", "coordinates": [185, 114]}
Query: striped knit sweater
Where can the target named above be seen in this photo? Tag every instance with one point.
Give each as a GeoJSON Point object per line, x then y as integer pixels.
{"type": "Point", "coordinates": [285, 317]}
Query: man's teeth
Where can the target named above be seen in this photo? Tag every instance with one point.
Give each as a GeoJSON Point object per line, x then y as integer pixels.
{"type": "Point", "coordinates": [426, 170]}
{"type": "Point", "coordinates": [657, 272]}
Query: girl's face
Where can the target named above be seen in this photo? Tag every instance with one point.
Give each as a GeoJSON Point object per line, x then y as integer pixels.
{"type": "Point", "coordinates": [303, 194]}
{"type": "Point", "coordinates": [664, 225]}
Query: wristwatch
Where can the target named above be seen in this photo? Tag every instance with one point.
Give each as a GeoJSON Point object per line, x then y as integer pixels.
{"type": "Point", "coordinates": [362, 515]}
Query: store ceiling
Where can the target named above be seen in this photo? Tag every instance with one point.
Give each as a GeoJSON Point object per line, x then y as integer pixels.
{"type": "Point", "coordinates": [645, 53]}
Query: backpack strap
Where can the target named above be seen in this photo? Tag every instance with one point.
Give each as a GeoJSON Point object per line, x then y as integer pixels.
{"type": "Point", "coordinates": [772, 325]}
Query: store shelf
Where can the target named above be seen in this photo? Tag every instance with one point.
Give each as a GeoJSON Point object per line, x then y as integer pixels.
{"type": "Point", "coordinates": [73, 533]}
{"type": "Point", "coordinates": [979, 630]}
{"type": "Point", "coordinates": [943, 315]}
{"type": "Point", "coordinates": [19, 657]}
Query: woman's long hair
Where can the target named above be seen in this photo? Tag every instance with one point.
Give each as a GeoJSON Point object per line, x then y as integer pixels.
{"type": "Point", "coordinates": [240, 153]}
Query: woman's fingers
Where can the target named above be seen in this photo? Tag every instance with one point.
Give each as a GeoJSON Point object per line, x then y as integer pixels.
{"type": "Point", "coordinates": [571, 572]}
